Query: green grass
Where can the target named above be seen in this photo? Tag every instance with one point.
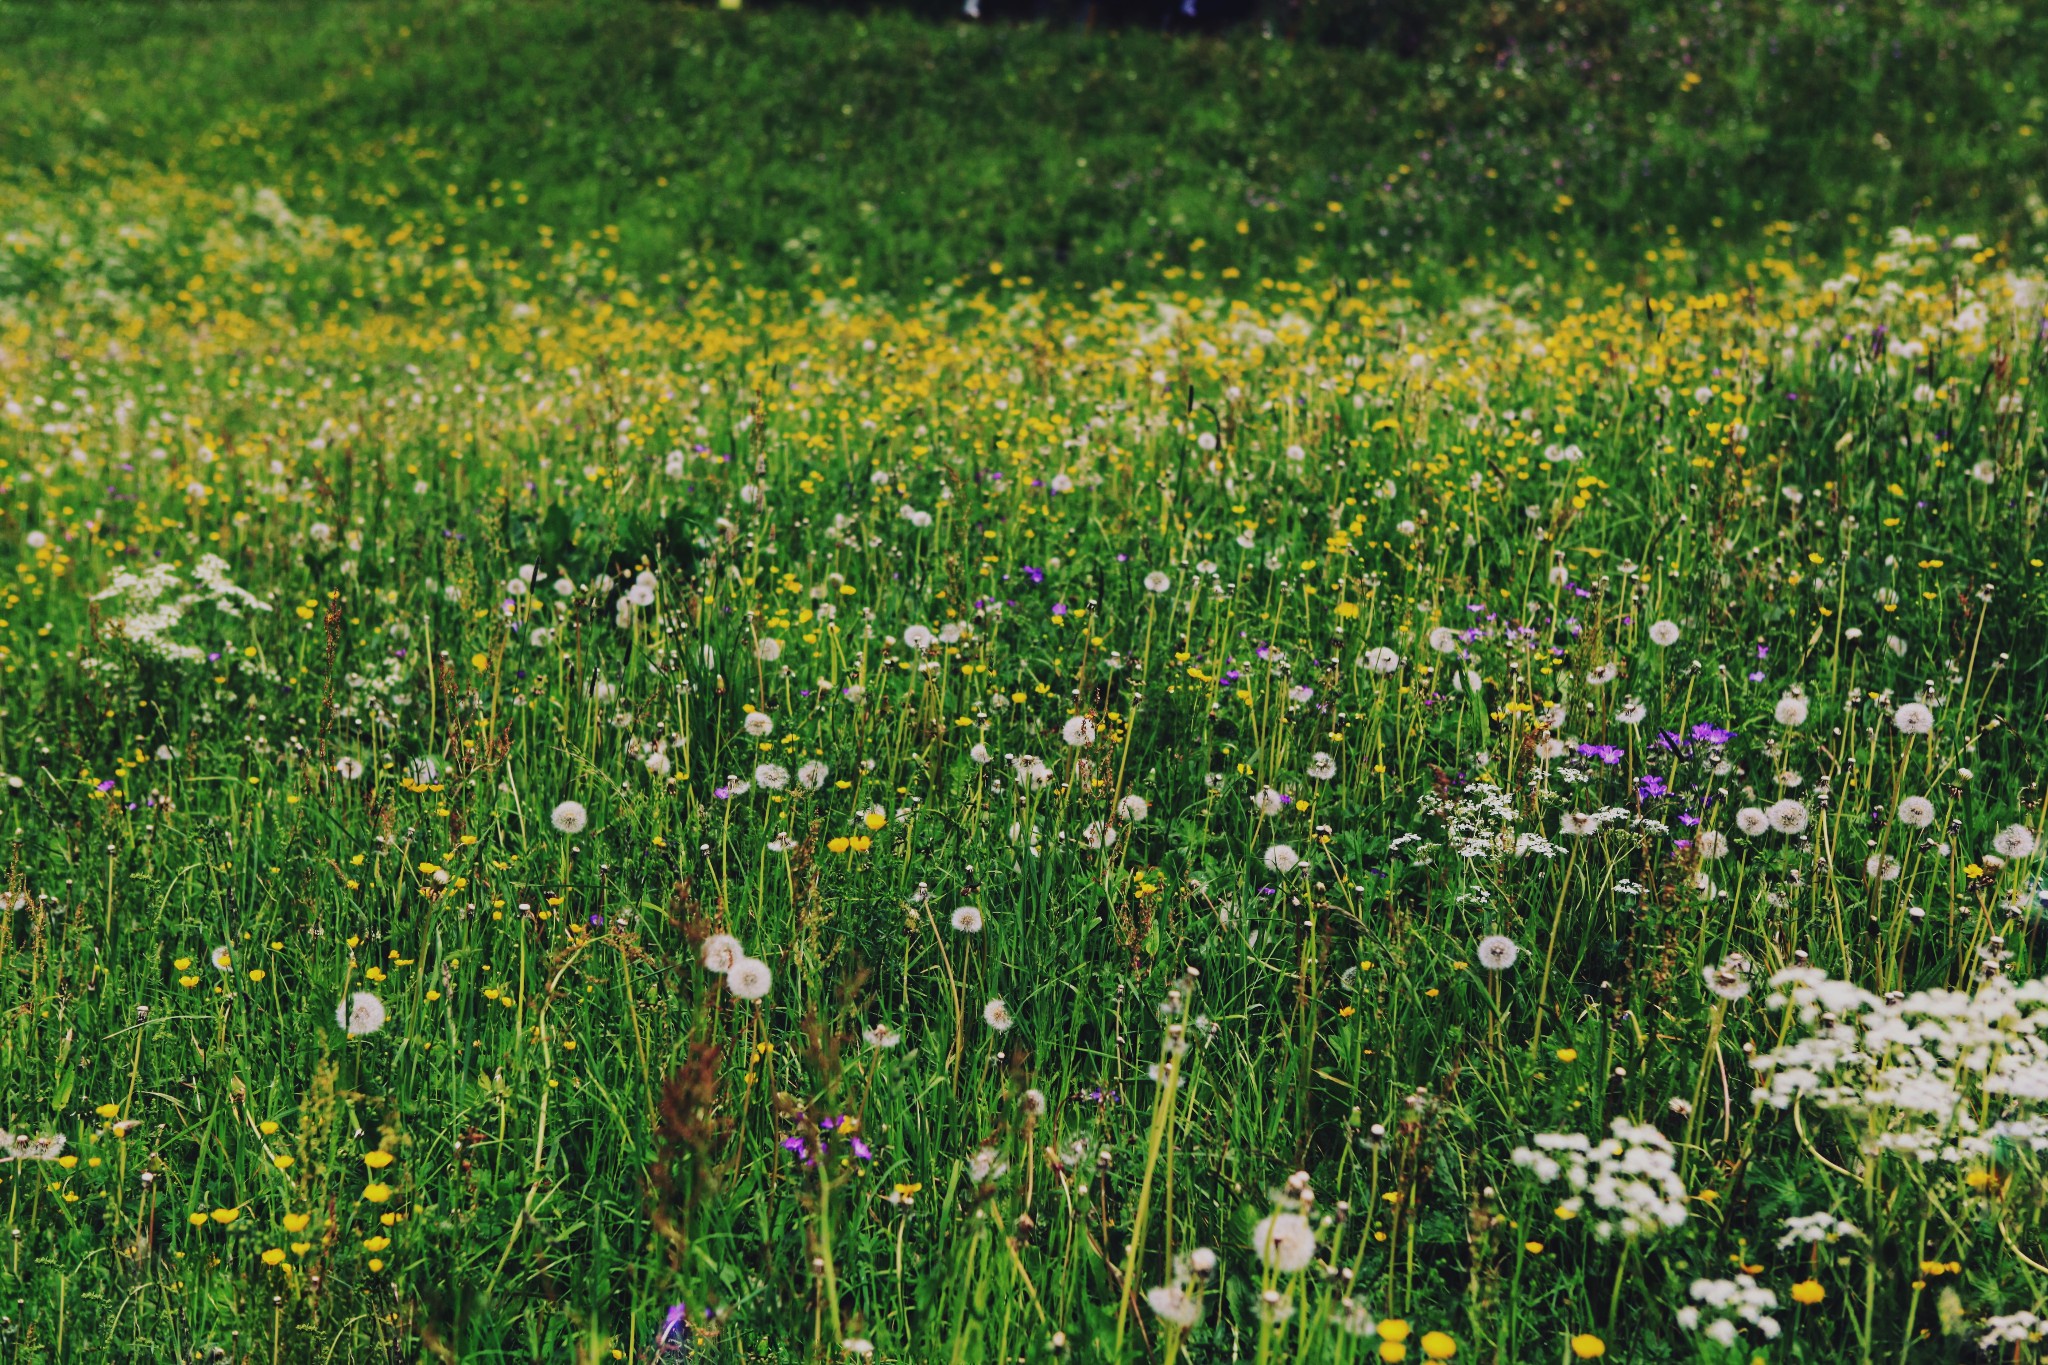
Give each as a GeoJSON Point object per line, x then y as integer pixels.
{"type": "Point", "coordinates": [1421, 512]}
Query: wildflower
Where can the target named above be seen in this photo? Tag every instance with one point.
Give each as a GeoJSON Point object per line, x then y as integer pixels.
{"type": "Point", "coordinates": [1913, 719]}
{"type": "Point", "coordinates": [1917, 812]}
{"type": "Point", "coordinates": [918, 638]}
{"type": "Point", "coordinates": [1808, 1292]}
{"type": "Point", "coordinates": [967, 919]}
{"type": "Point", "coordinates": [1098, 834]}
{"type": "Point", "coordinates": [1322, 767]}
{"type": "Point", "coordinates": [1286, 1242]}
{"type": "Point", "coordinates": [767, 649]}
{"type": "Point", "coordinates": [980, 754]}
{"type": "Point", "coordinates": [1134, 808]}
{"type": "Point", "coordinates": [1787, 816]}
{"type": "Point", "coordinates": [1439, 1345]}
{"type": "Point", "coordinates": [1281, 858]}
{"type": "Point", "coordinates": [771, 776]}
{"type": "Point", "coordinates": [1379, 659]}
{"type": "Point", "coordinates": [758, 725]}
{"type": "Point", "coordinates": [1752, 821]}
{"type": "Point", "coordinates": [22, 1147]}
{"type": "Point", "coordinates": [360, 1015]}
{"type": "Point", "coordinates": [1791, 710]}
{"type": "Point", "coordinates": [1603, 675]}
{"type": "Point", "coordinates": [1631, 1175]}
{"type": "Point", "coordinates": [749, 978]}
{"type": "Point", "coordinates": [1270, 802]}
{"type": "Point", "coordinates": [881, 1037]}
{"type": "Point", "coordinates": [1586, 1346]}
{"type": "Point", "coordinates": [1443, 640]}
{"type": "Point", "coordinates": [1712, 844]}
{"type": "Point", "coordinates": [1497, 952]}
{"type": "Point", "coordinates": [570, 817]}
{"type": "Point", "coordinates": [720, 952]}
{"type": "Point", "coordinates": [349, 767]}
{"type": "Point", "coordinates": [1577, 824]}
{"type": "Point", "coordinates": [2014, 841]}
{"type": "Point", "coordinates": [1881, 867]}
{"type": "Point", "coordinates": [997, 1015]}
{"type": "Point", "coordinates": [1176, 1304]}
{"type": "Point", "coordinates": [811, 776]}
{"type": "Point", "coordinates": [1157, 582]}
{"type": "Point", "coordinates": [1632, 712]}
{"type": "Point", "coordinates": [222, 960]}
{"type": "Point", "coordinates": [1078, 732]}
{"type": "Point", "coordinates": [1663, 634]}
{"type": "Point", "coordinates": [1730, 980]}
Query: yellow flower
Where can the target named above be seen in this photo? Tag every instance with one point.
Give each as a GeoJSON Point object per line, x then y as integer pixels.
{"type": "Point", "coordinates": [1567, 1054]}
{"type": "Point", "coordinates": [377, 1243]}
{"type": "Point", "coordinates": [1439, 1345]}
{"type": "Point", "coordinates": [107, 1111]}
{"type": "Point", "coordinates": [257, 973]}
{"type": "Point", "coordinates": [1533, 1248]}
{"type": "Point", "coordinates": [378, 1160]}
{"type": "Point", "coordinates": [1393, 1352]}
{"type": "Point", "coordinates": [839, 844]}
{"type": "Point", "coordinates": [1394, 1329]}
{"type": "Point", "coordinates": [267, 1127]}
{"type": "Point", "coordinates": [377, 1193]}
{"type": "Point", "coordinates": [375, 1265]}
{"type": "Point", "coordinates": [1586, 1346]}
{"type": "Point", "coordinates": [197, 1220]}
{"type": "Point", "coordinates": [296, 1222]}
{"type": "Point", "coordinates": [1565, 1212]}
{"type": "Point", "coordinates": [1808, 1292]}
{"type": "Point", "coordinates": [273, 1256]}
{"type": "Point", "coordinates": [226, 1216]}
{"type": "Point", "coordinates": [281, 1161]}
{"type": "Point", "coordinates": [875, 819]}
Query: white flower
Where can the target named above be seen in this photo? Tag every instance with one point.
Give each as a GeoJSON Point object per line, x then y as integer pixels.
{"type": "Point", "coordinates": [1282, 858]}
{"type": "Point", "coordinates": [997, 1015]}
{"type": "Point", "coordinates": [1497, 952]}
{"type": "Point", "coordinates": [2014, 841]}
{"type": "Point", "coordinates": [1916, 811]}
{"type": "Point", "coordinates": [881, 1036]}
{"type": "Point", "coordinates": [1322, 767]}
{"type": "Point", "coordinates": [1913, 719]}
{"type": "Point", "coordinates": [222, 959]}
{"type": "Point", "coordinates": [1730, 980]}
{"type": "Point", "coordinates": [1631, 1175]}
{"type": "Point", "coordinates": [1881, 867]}
{"type": "Point", "coordinates": [1079, 731]}
{"type": "Point", "coordinates": [1098, 834]}
{"type": "Point", "coordinates": [570, 817]}
{"type": "Point", "coordinates": [1157, 582]}
{"type": "Point", "coordinates": [772, 776]}
{"type": "Point", "coordinates": [1134, 807]}
{"type": "Point", "coordinates": [1379, 659]}
{"type": "Point", "coordinates": [720, 952]}
{"type": "Point", "coordinates": [1632, 712]}
{"type": "Point", "coordinates": [1663, 633]}
{"type": "Point", "coordinates": [658, 763]}
{"type": "Point", "coordinates": [1712, 844]}
{"type": "Point", "coordinates": [1268, 801]}
{"type": "Point", "coordinates": [1791, 710]}
{"type": "Point", "coordinates": [749, 978]}
{"type": "Point", "coordinates": [768, 649]}
{"type": "Point", "coordinates": [919, 638]}
{"type": "Point", "coordinates": [1284, 1241]}
{"type": "Point", "coordinates": [980, 754]}
{"type": "Point", "coordinates": [967, 919]}
{"type": "Point", "coordinates": [1787, 816]}
{"type": "Point", "coordinates": [349, 768]}
{"type": "Point", "coordinates": [1176, 1303]}
{"type": "Point", "coordinates": [1752, 821]}
{"type": "Point", "coordinates": [758, 725]}
{"type": "Point", "coordinates": [1443, 640]}
{"type": "Point", "coordinates": [1602, 675]}
{"type": "Point", "coordinates": [360, 1015]}
{"type": "Point", "coordinates": [812, 775]}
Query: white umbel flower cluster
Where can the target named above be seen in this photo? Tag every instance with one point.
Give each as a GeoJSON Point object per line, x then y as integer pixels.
{"type": "Point", "coordinates": [1721, 1305]}
{"type": "Point", "coordinates": [1632, 1176]}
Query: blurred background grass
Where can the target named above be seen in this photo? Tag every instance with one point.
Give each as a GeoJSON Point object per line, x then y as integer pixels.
{"type": "Point", "coordinates": [909, 148]}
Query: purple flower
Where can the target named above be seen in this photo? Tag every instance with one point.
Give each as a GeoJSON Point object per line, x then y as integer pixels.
{"type": "Point", "coordinates": [1059, 609]}
{"type": "Point", "coordinates": [1650, 785]}
{"type": "Point", "coordinates": [1036, 575]}
{"type": "Point", "coordinates": [673, 1327]}
{"type": "Point", "coordinates": [107, 785]}
{"type": "Point", "coordinates": [1606, 753]}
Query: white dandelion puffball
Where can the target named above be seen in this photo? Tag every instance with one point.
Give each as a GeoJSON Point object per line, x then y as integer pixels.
{"type": "Point", "coordinates": [1444, 640]}
{"type": "Point", "coordinates": [919, 638]}
{"type": "Point", "coordinates": [997, 1015]}
{"type": "Point", "coordinates": [1752, 821]}
{"type": "Point", "coordinates": [1284, 1241]}
{"type": "Point", "coordinates": [881, 1036]}
{"type": "Point", "coordinates": [359, 1016]}
{"type": "Point", "coordinates": [349, 768]}
{"type": "Point", "coordinates": [1664, 634]}
{"type": "Point", "coordinates": [2015, 842]}
{"type": "Point", "coordinates": [1098, 834]}
{"type": "Point", "coordinates": [768, 649]}
{"type": "Point", "coordinates": [1322, 767]}
{"type": "Point", "coordinates": [1497, 952]}
{"type": "Point", "coordinates": [980, 754]}
{"type": "Point", "coordinates": [1157, 582]}
{"type": "Point", "coordinates": [758, 725]}
{"type": "Point", "coordinates": [1712, 844]}
{"type": "Point", "coordinates": [1913, 719]}
{"type": "Point", "coordinates": [1079, 731]}
{"type": "Point", "coordinates": [1916, 811]}
{"type": "Point", "coordinates": [1175, 1304]}
{"type": "Point", "coordinates": [570, 817]}
{"type": "Point", "coordinates": [967, 919]}
{"type": "Point", "coordinates": [721, 952]}
{"type": "Point", "coordinates": [1134, 808]}
{"type": "Point", "coordinates": [749, 978]}
{"type": "Point", "coordinates": [771, 776]}
{"type": "Point", "coordinates": [812, 775]}
{"type": "Point", "coordinates": [1730, 980]}
{"type": "Point", "coordinates": [658, 763]}
{"type": "Point", "coordinates": [1379, 659]}
{"type": "Point", "coordinates": [1268, 801]}
{"type": "Point", "coordinates": [1881, 867]}
{"type": "Point", "coordinates": [221, 958]}
{"type": "Point", "coordinates": [1282, 858]}
{"type": "Point", "coordinates": [1787, 816]}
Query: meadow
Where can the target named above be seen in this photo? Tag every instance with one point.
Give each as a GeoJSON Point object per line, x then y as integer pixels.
{"type": "Point", "coordinates": [1441, 771]}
